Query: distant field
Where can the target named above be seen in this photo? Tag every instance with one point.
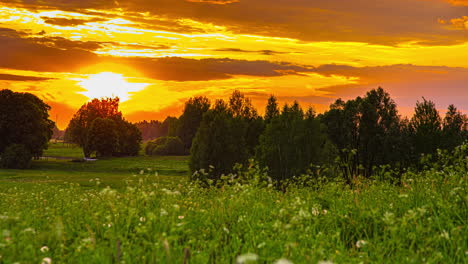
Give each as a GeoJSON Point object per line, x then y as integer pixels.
{"type": "Point", "coordinates": [111, 172]}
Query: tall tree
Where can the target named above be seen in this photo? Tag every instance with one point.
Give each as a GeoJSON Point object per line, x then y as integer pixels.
{"type": "Point", "coordinates": [129, 137]}
{"type": "Point", "coordinates": [291, 142]}
{"type": "Point", "coordinates": [219, 142]}
{"type": "Point", "coordinates": [454, 128]}
{"type": "Point", "coordinates": [242, 108]}
{"type": "Point", "coordinates": [24, 120]}
{"type": "Point", "coordinates": [272, 109]}
{"type": "Point", "coordinates": [103, 137]}
{"type": "Point", "coordinates": [426, 126]}
{"type": "Point", "coordinates": [77, 130]}
{"type": "Point", "coordinates": [191, 118]}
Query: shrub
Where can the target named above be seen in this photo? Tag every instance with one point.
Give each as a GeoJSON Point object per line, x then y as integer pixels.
{"type": "Point", "coordinates": [16, 156]}
{"type": "Point", "coordinates": [165, 146]}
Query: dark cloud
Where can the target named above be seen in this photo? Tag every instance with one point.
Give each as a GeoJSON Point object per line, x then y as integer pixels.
{"type": "Point", "coordinates": [12, 77]}
{"type": "Point", "coordinates": [18, 52]}
{"type": "Point", "coordinates": [182, 69]}
{"type": "Point", "coordinates": [66, 22]}
{"type": "Point", "coordinates": [386, 22]}
{"type": "Point", "coordinates": [63, 43]}
{"type": "Point", "coordinates": [263, 52]}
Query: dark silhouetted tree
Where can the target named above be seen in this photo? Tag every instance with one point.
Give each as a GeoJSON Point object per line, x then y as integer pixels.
{"type": "Point", "coordinates": [291, 142]}
{"type": "Point", "coordinates": [165, 146]}
{"type": "Point", "coordinates": [103, 137]}
{"type": "Point", "coordinates": [24, 120]}
{"type": "Point", "coordinates": [426, 126]}
{"type": "Point", "coordinates": [272, 109]}
{"type": "Point", "coordinates": [220, 142]}
{"type": "Point", "coordinates": [128, 135]}
{"type": "Point", "coordinates": [454, 128]}
{"type": "Point", "coordinates": [191, 118]}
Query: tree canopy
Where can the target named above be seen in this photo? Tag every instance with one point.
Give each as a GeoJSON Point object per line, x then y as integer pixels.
{"type": "Point", "coordinates": [81, 130]}
{"type": "Point", "coordinates": [24, 120]}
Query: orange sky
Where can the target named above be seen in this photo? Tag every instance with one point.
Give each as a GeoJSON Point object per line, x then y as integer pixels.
{"type": "Point", "coordinates": [154, 54]}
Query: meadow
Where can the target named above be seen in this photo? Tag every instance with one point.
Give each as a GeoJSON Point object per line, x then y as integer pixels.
{"type": "Point", "coordinates": [144, 210]}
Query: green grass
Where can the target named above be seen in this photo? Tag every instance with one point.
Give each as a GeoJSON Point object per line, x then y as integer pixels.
{"type": "Point", "coordinates": [111, 172]}
{"type": "Point", "coordinates": [145, 219]}
{"type": "Point", "coordinates": [60, 149]}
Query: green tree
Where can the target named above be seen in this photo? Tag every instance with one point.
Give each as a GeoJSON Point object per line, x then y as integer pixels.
{"type": "Point", "coordinates": [24, 120]}
{"type": "Point", "coordinates": [16, 156]}
{"type": "Point", "coordinates": [103, 137]}
{"type": "Point", "coordinates": [272, 109]}
{"type": "Point", "coordinates": [291, 142]}
{"type": "Point", "coordinates": [190, 120]}
{"type": "Point", "coordinates": [219, 142]}
{"type": "Point", "coordinates": [454, 128]}
{"type": "Point", "coordinates": [165, 146]}
{"type": "Point", "coordinates": [426, 126]}
{"type": "Point", "coordinates": [369, 128]}
{"type": "Point", "coordinates": [242, 109]}
{"type": "Point", "coordinates": [128, 135]}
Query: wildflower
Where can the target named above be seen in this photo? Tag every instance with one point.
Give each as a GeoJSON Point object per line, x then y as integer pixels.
{"type": "Point", "coordinates": [325, 262]}
{"type": "Point", "coordinates": [142, 172]}
{"type": "Point", "coordinates": [142, 219]}
{"type": "Point", "coordinates": [181, 217]}
{"type": "Point", "coordinates": [44, 249]}
{"type": "Point", "coordinates": [445, 235]}
{"type": "Point", "coordinates": [46, 261]}
{"type": "Point", "coordinates": [361, 243]}
{"type": "Point", "coordinates": [163, 212]}
{"type": "Point", "coordinates": [246, 258]}
{"type": "Point", "coordinates": [283, 261]}
{"type": "Point", "coordinates": [325, 211]}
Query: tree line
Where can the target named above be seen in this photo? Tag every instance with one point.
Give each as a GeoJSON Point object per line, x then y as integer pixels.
{"type": "Point", "coordinates": [360, 135]}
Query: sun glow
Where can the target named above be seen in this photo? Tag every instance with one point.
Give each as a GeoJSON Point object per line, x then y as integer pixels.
{"type": "Point", "coordinates": [108, 84]}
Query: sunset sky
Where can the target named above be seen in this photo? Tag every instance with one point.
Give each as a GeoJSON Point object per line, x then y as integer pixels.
{"type": "Point", "coordinates": [155, 54]}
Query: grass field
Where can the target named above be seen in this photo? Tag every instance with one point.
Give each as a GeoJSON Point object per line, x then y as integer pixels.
{"type": "Point", "coordinates": [144, 219]}
{"type": "Point", "coordinates": [111, 172]}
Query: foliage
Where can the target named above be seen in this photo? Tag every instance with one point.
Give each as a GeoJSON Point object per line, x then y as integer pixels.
{"type": "Point", "coordinates": [16, 156]}
{"type": "Point", "coordinates": [103, 137]}
{"type": "Point", "coordinates": [190, 120]}
{"type": "Point", "coordinates": [421, 220]}
{"type": "Point", "coordinates": [291, 142]}
{"type": "Point", "coordinates": [165, 146]}
{"type": "Point", "coordinates": [220, 141]}
{"type": "Point", "coordinates": [78, 131]}
{"type": "Point", "coordinates": [454, 130]}
{"type": "Point", "coordinates": [24, 119]}
{"type": "Point", "coordinates": [426, 126]}
{"type": "Point", "coordinates": [372, 127]}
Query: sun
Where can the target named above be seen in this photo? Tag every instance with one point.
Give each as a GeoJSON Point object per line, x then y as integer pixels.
{"type": "Point", "coordinates": [109, 84]}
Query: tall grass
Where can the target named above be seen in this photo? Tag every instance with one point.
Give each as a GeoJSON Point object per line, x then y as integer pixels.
{"type": "Point", "coordinates": [423, 220]}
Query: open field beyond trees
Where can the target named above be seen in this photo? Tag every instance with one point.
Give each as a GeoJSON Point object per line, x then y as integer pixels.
{"type": "Point", "coordinates": [143, 210]}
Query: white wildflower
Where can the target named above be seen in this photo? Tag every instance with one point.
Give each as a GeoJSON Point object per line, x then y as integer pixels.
{"type": "Point", "coordinates": [361, 243]}
{"type": "Point", "coordinates": [246, 258]}
{"type": "Point", "coordinates": [181, 217]}
{"type": "Point", "coordinates": [163, 212]}
{"type": "Point", "coordinates": [283, 261]}
{"type": "Point", "coordinates": [142, 219]}
{"type": "Point", "coordinates": [46, 261]}
{"type": "Point", "coordinates": [44, 249]}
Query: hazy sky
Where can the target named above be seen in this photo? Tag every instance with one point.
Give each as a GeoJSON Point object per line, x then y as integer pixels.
{"type": "Point", "coordinates": [155, 54]}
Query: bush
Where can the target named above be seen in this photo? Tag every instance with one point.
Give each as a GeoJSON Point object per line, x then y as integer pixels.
{"type": "Point", "coordinates": [16, 156]}
{"type": "Point", "coordinates": [165, 146]}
